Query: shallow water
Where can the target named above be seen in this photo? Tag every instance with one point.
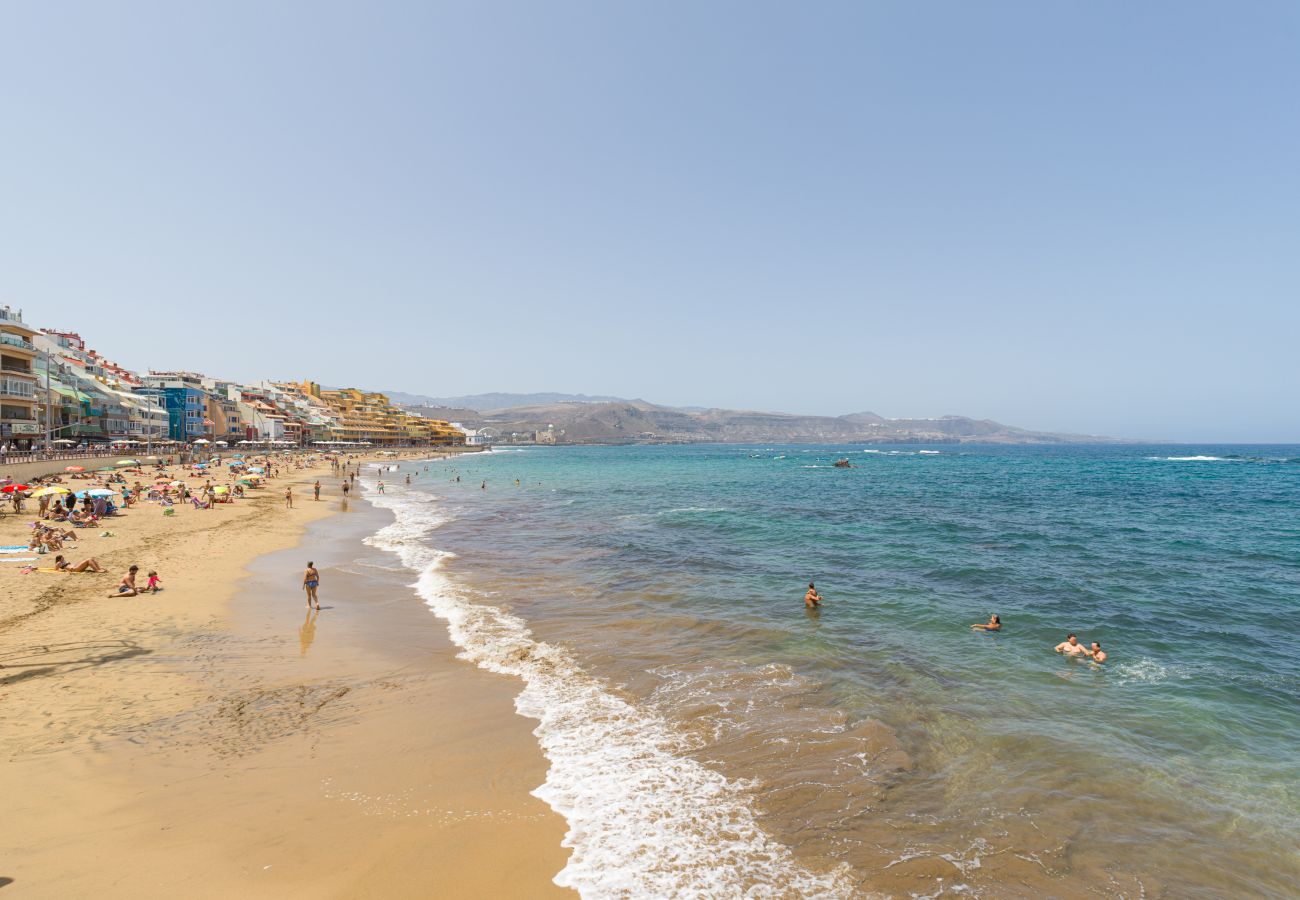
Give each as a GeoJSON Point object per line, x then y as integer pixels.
{"type": "Point", "coordinates": [707, 735]}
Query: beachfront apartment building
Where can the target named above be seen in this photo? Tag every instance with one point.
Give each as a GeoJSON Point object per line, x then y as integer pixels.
{"type": "Point", "coordinates": [19, 427]}
{"type": "Point", "coordinates": [186, 401]}
{"type": "Point", "coordinates": [224, 411]}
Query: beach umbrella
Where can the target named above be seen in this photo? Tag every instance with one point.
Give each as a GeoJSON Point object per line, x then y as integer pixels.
{"type": "Point", "coordinates": [177, 483]}
{"type": "Point", "coordinates": [10, 488]}
{"type": "Point", "coordinates": [99, 492]}
{"type": "Point", "coordinates": [53, 489]}
{"type": "Point", "coordinates": [203, 441]}
{"type": "Point", "coordinates": [128, 462]}
{"type": "Point", "coordinates": [74, 468]}
{"type": "Point", "coordinates": [257, 469]}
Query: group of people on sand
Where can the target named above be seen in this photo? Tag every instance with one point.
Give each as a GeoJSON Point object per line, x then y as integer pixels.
{"type": "Point", "coordinates": [1070, 646]}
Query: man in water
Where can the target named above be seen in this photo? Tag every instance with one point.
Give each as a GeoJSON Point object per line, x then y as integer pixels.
{"type": "Point", "coordinates": [1071, 646]}
{"type": "Point", "coordinates": [1097, 654]}
{"type": "Point", "coordinates": [812, 599]}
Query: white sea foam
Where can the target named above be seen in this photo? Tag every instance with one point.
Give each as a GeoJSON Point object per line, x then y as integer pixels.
{"type": "Point", "coordinates": [645, 820]}
{"type": "Point", "coordinates": [1188, 458]}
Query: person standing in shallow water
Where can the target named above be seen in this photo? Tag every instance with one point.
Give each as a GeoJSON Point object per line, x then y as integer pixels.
{"type": "Point", "coordinates": [316, 490]}
{"type": "Point", "coordinates": [812, 599]}
{"type": "Point", "coordinates": [310, 583]}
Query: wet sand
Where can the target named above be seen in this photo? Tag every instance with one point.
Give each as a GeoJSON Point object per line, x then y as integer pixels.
{"type": "Point", "coordinates": [216, 740]}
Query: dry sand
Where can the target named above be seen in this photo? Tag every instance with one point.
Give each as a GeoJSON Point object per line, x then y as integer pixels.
{"type": "Point", "coordinates": [215, 740]}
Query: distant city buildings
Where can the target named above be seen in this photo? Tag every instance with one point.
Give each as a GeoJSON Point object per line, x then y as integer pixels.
{"type": "Point", "coordinates": [55, 388]}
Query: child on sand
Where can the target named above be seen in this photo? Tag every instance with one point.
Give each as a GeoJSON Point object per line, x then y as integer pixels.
{"type": "Point", "coordinates": [155, 583]}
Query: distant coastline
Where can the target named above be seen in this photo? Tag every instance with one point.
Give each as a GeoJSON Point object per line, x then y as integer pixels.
{"type": "Point", "coordinates": [579, 419]}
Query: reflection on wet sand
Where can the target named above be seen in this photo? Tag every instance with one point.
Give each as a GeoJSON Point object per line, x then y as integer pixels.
{"type": "Point", "coordinates": [307, 632]}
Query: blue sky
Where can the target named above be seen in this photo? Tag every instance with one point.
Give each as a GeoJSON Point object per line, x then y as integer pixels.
{"type": "Point", "coordinates": [1069, 216]}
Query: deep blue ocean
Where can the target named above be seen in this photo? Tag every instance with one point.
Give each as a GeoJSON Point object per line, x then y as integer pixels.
{"type": "Point", "coordinates": [879, 740]}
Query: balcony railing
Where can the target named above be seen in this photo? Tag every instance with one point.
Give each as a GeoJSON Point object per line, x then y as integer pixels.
{"type": "Point", "coordinates": [12, 387]}
{"type": "Point", "coordinates": [13, 341]}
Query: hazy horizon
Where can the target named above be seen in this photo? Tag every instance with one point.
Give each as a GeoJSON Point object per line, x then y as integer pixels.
{"type": "Point", "coordinates": [1070, 219]}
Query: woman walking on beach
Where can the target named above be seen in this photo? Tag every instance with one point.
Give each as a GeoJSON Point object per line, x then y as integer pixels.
{"type": "Point", "coordinates": [310, 582]}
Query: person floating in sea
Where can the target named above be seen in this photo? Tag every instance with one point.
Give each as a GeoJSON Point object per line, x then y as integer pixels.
{"type": "Point", "coordinates": [310, 582]}
{"type": "Point", "coordinates": [812, 599]}
{"type": "Point", "coordinates": [1071, 646]}
{"type": "Point", "coordinates": [994, 624]}
{"type": "Point", "coordinates": [1097, 654]}
{"type": "Point", "coordinates": [485, 485]}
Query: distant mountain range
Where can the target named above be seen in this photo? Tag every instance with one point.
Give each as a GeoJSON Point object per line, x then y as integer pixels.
{"type": "Point", "coordinates": [581, 419]}
{"type": "Point", "coordinates": [483, 402]}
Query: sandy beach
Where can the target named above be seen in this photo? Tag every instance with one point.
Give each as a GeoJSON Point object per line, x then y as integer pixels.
{"type": "Point", "coordinates": [216, 739]}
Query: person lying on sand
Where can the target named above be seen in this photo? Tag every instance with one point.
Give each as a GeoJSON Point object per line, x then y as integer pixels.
{"type": "Point", "coordinates": [1071, 646]}
{"type": "Point", "coordinates": [994, 624]}
{"type": "Point", "coordinates": [86, 565]}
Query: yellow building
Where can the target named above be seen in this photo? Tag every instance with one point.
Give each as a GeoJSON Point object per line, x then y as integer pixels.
{"type": "Point", "coordinates": [18, 394]}
{"type": "Point", "coordinates": [371, 416]}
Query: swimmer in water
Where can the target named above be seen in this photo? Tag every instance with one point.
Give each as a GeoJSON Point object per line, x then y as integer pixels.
{"type": "Point", "coordinates": [1097, 654]}
{"type": "Point", "coordinates": [1071, 646]}
{"type": "Point", "coordinates": [994, 624]}
{"type": "Point", "coordinates": [812, 599]}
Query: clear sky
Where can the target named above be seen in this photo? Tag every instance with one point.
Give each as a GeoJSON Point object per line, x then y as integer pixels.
{"type": "Point", "coordinates": [1061, 215]}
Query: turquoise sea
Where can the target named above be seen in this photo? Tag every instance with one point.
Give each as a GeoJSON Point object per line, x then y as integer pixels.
{"type": "Point", "coordinates": [709, 737]}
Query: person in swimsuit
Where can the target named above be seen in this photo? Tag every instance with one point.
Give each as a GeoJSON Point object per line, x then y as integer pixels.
{"type": "Point", "coordinates": [310, 582]}
{"type": "Point", "coordinates": [86, 565]}
{"type": "Point", "coordinates": [316, 490]}
{"type": "Point", "coordinates": [812, 599]}
{"type": "Point", "coordinates": [1097, 654]}
{"type": "Point", "coordinates": [155, 583]}
{"type": "Point", "coordinates": [126, 587]}
{"type": "Point", "coordinates": [288, 497]}
{"type": "Point", "coordinates": [994, 624]}
{"type": "Point", "coordinates": [1071, 646]}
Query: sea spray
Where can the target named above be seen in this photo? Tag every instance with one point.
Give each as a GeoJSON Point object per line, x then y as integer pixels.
{"type": "Point", "coordinates": [644, 818]}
